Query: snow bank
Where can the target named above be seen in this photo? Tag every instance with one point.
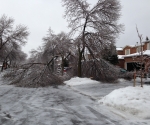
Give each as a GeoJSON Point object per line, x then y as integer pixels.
{"type": "Point", "coordinates": [135, 100]}
{"type": "Point", "coordinates": [79, 81]}
{"type": "Point", "coordinates": [121, 80]}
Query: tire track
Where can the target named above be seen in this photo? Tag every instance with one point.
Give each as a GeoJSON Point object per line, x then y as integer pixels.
{"type": "Point", "coordinates": [102, 117]}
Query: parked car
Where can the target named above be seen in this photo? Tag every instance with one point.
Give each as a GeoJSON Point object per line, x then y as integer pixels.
{"type": "Point", "coordinates": [123, 70]}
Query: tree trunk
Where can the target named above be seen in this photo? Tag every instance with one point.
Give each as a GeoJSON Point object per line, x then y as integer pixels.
{"type": "Point", "coordinates": [3, 66]}
{"type": "Point", "coordinates": [80, 65]}
{"type": "Point", "coordinates": [2, 69]}
{"type": "Point", "coordinates": [82, 51]}
{"type": "Point", "coordinates": [62, 67]}
{"type": "Point", "coordinates": [141, 77]}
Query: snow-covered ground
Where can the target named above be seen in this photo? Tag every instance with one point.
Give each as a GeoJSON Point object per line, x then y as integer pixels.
{"type": "Point", "coordinates": [80, 81]}
{"type": "Point", "coordinates": [71, 104]}
{"type": "Point", "coordinates": [133, 100]}
{"type": "Point", "coordinates": [129, 100]}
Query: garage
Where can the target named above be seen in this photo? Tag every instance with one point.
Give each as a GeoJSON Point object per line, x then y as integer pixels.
{"type": "Point", "coordinates": [134, 65]}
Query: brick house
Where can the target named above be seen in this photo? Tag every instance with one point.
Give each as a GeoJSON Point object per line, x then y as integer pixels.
{"type": "Point", "coordinates": [129, 55]}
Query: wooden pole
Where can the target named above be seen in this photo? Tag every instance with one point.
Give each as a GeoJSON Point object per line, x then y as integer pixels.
{"type": "Point", "coordinates": [134, 78]}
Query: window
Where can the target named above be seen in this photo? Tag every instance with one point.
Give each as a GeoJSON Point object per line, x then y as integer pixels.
{"type": "Point", "coordinates": [127, 51]}
{"type": "Point", "coordinates": [148, 46]}
{"type": "Point", "coordinates": [138, 49]}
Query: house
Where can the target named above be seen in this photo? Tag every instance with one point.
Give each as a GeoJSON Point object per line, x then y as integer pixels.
{"type": "Point", "coordinates": [129, 56]}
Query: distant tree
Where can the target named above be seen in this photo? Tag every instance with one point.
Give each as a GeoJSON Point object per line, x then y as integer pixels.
{"type": "Point", "coordinates": [147, 38]}
{"type": "Point", "coordinates": [12, 58]}
{"type": "Point", "coordinates": [94, 27]}
{"type": "Point", "coordinates": [60, 45]}
{"type": "Point", "coordinates": [36, 55]}
{"type": "Point", "coordinates": [11, 39]}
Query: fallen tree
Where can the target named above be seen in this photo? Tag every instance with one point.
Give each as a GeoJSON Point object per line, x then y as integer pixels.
{"type": "Point", "coordinates": [33, 75]}
{"type": "Point", "coordinates": [100, 70]}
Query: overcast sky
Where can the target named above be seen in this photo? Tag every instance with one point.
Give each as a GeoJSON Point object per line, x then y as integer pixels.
{"type": "Point", "coordinates": [39, 15]}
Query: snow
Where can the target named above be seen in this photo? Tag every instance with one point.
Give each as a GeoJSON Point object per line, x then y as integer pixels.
{"type": "Point", "coordinates": [78, 102]}
{"type": "Point", "coordinates": [80, 81]}
{"type": "Point", "coordinates": [146, 41]}
{"type": "Point", "coordinates": [121, 80]}
{"type": "Point", "coordinates": [134, 100]}
{"type": "Point", "coordinates": [120, 56]}
{"type": "Point", "coordinates": [119, 48]}
{"type": "Point", "coordinates": [131, 100]}
{"type": "Point", "coordinates": [146, 52]}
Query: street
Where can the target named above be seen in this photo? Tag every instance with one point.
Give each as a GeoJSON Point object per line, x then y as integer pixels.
{"type": "Point", "coordinates": [59, 105]}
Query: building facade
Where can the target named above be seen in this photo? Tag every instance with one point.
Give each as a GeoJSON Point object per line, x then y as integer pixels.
{"type": "Point", "coordinates": [130, 55]}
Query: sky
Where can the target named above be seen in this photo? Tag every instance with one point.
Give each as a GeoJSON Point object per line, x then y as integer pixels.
{"type": "Point", "coordinates": [40, 15]}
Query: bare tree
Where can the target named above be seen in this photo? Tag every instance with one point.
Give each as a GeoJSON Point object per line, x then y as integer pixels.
{"type": "Point", "coordinates": [95, 27]}
{"type": "Point", "coordinates": [141, 56]}
{"type": "Point", "coordinates": [11, 39]}
{"type": "Point", "coordinates": [34, 73]}
{"type": "Point", "coordinates": [36, 55]}
{"type": "Point", "coordinates": [142, 60]}
{"type": "Point", "coordinates": [39, 70]}
{"type": "Point", "coordinates": [60, 45]}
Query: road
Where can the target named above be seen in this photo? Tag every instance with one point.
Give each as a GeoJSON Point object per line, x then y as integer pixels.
{"type": "Point", "coordinates": [59, 105]}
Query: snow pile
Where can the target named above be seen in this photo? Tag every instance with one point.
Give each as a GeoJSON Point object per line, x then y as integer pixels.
{"type": "Point", "coordinates": [138, 80]}
{"type": "Point", "coordinates": [79, 81]}
{"type": "Point", "coordinates": [135, 100]}
{"type": "Point", "coordinates": [121, 80]}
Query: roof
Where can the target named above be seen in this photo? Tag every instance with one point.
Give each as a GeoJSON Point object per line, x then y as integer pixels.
{"type": "Point", "coordinates": [146, 41]}
{"type": "Point", "coordinates": [137, 44]}
{"type": "Point", "coordinates": [129, 46]}
{"type": "Point", "coordinates": [119, 48]}
{"type": "Point", "coordinates": [146, 52]}
{"type": "Point", "coordinates": [120, 56]}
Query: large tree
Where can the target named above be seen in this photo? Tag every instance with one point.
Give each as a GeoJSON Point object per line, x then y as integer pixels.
{"type": "Point", "coordinates": [11, 39]}
{"type": "Point", "coordinates": [94, 27]}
